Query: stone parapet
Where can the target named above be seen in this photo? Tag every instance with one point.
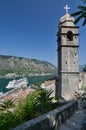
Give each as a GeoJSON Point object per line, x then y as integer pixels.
{"type": "Point", "coordinates": [51, 120]}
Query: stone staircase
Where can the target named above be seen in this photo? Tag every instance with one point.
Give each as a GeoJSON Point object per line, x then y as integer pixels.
{"type": "Point", "coordinates": [76, 122]}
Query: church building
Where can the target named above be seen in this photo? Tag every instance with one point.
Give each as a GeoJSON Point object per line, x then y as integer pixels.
{"type": "Point", "coordinates": [69, 80]}
{"type": "Point", "coordinates": [68, 65]}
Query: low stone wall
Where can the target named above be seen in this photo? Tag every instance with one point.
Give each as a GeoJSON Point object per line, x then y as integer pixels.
{"type": "Point", "coordinates": [51, 120]}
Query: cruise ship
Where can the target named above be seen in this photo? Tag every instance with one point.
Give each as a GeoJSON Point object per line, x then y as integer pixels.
{"type": "Point", "coordinates": [17, 83]}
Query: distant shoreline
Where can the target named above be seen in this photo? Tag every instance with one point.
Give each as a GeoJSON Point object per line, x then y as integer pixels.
{"type": "Point", "coordinates": [15, 76]}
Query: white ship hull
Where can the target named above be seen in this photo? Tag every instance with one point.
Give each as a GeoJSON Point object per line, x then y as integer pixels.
{"type": "Point", "coordinates": [17, 83]}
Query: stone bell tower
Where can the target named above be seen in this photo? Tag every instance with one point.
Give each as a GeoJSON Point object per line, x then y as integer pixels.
{"type": "Point", "coordinates": [68, 67]}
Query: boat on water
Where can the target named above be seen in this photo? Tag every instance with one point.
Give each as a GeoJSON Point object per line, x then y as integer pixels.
{"type": "Point", "coordinates": [17, 83]}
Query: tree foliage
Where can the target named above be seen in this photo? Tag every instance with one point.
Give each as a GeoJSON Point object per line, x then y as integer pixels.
{"type": "Point", "coordinates": [84, 1]}
{"type": "Point", "coordinates": [7, 104]}
{"type": "Point", "coordinates": [81, 14]}
{"type": "Point", "coordinates": [84, 68]}
{"type": "Point", "coordinates": [35, 104]}
{"type": "Point", "coordinates": [44, 101]}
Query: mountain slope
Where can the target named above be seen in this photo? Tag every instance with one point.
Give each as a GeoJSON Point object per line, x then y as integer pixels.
{"type": "Point", "coordinates": [20, 65]}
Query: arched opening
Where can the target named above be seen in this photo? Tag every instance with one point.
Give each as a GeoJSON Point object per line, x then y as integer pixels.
{"type": "Point", "coordinates": [70, 36]}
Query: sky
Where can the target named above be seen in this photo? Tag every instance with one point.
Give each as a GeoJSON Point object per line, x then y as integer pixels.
{"type": "Point", "coordinates": [28, 28]}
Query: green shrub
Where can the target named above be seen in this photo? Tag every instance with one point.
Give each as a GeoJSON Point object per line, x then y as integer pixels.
{"type": "Point", "coordinates": [7, 120]}
{"type": "Point", "coordinates": [43, 101]}
{"type": "Point", "coordinates": [7, 104]}
{"type": "Point", "coordinates": [25, 110]}
{"type": "Point", "coordinates": [32, 106]}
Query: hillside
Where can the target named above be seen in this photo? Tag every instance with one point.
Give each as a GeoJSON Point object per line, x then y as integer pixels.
{"type": "Point", "coordinates": [20, 65]}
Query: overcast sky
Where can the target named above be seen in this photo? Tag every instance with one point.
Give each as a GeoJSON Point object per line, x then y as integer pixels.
{"type": "Point", "coordinates": [28, 28]}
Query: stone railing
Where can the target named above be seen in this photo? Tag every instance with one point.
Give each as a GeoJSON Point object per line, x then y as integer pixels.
{"type": "Point", "coordinates": [51, 120]}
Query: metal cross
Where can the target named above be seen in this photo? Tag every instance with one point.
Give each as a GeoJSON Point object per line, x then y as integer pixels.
{"type": "Point", "coordinates": [66, 8]}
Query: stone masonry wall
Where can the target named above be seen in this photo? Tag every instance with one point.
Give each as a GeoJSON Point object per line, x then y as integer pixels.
{"type": "Point", "coordinates": [51, 120]}
{"type": "Point", "coordinates": [69, 85]}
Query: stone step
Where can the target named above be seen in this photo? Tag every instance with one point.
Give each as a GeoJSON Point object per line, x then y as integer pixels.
{"type": "Point", "coordinates": [75, 122]}
{"type": "Point", "coordinates": [70, 125]}
{"type": "Point", "coordinates": [64, 127]}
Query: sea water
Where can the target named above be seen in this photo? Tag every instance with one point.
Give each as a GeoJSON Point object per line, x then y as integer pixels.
{"type": "Point", "coordinates": [31, 80]}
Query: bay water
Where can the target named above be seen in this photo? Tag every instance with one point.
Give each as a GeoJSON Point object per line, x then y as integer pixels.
{"type": "Point", "coordinates": [31, 80]}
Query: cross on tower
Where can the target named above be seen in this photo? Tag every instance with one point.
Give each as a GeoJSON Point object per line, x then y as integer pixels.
{"type": "Point", "coordinates": [66, 8]}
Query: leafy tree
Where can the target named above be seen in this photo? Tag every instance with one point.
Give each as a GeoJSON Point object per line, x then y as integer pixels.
{"type": "Point", "coordinates": [84, 1]}
{"type": "Point", "coordinates": [84, 68]}
{"type": "Point", "coordinates": [81, 14]}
